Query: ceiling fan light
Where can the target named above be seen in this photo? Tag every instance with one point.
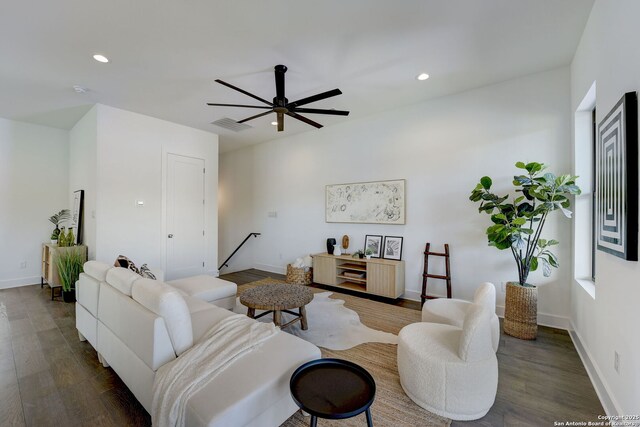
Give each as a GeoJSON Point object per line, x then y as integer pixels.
{"type": "Point", "coordinates": [274, 123]}
{"type": "Point", "coordinates": [422, 76]}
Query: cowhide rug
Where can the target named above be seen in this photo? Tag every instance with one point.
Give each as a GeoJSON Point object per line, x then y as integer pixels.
{"type": "Point", "coordinates": [331, 324]}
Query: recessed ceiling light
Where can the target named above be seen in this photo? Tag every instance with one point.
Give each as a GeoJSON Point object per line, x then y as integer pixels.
{"type": "Point", "coordinates": [79, 89]}
{"type": "Point", "coordinates": [423, 76]}
{"type": "Point", "coordinates": [100, 58]}
{"type": "Point", "coordinates": [274, 123]}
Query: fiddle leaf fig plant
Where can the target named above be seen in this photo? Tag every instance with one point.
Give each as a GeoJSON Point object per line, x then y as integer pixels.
{"type": "Point", "coordinates": [518, 220]}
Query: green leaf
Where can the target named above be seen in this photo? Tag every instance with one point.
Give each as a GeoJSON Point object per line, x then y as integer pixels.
{"type": "Point", "coordinates": [552, 259]}
{"type": "Point", "coordinates": [521, 180]}
{"type": "Point", "coordinates": [550, 178]}
{"type": "Point", "coordinates": [534, 264]}
{"type": "Point", "coordinates": [566, 212]}
{"type": "Point", "coordinates": [486, 182]}
{"type": "Point", "coordinates": [546, 267]}
{"type": "Point", "coordinates": [552, 242]}
{"type": "Point", "coordinates": [534, 167]}
{"type": "Point", "coordinates": [520, 165]}
{"type": "Point", "coordinates": [518, 200]}
{"type": "Point", "coordinates": [519, 221]}
{"type": "Point", "coordinates": [518, 242]}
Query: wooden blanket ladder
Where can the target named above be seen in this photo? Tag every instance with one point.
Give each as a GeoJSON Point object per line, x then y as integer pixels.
{"type": "Point", "coordinates": [426, 275]}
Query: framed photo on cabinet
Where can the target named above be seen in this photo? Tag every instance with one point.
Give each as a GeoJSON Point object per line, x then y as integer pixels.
{"type": "Point", "coordinates": [374, 243]}
{"type": "Point", "coordinates": [392, 248]}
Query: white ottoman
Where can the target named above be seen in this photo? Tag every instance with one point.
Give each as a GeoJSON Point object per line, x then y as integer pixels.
{"type": "Point", "coordinates": [208, 288]}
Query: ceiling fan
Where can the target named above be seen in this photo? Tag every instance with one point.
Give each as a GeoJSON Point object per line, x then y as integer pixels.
{"type": "Point", "coordinates": [281, 104]}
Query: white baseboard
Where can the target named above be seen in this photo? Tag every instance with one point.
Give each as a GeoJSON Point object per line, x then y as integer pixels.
{"type": "Point", "coordinates": [23, 281]}
{"type": "Point", "coordinates": [233, 268]}
{"type": "Point", "coordinates": [417, 296]}
{"type": "Point", "coordinates": [544, 319]}
{"type": "Point", "coordinates": [597, 379]}
{"type": "Point", "coordinates": [412, 295]}
{"type": "Point", "coordinates": [278, 269]}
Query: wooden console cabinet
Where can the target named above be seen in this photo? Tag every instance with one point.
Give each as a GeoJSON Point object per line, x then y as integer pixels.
{"type": "Point", "coordinates": [376, 276]}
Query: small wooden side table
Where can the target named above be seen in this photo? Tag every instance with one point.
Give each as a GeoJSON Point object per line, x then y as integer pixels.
{"type": "Point", "coordinates": [333, 389]}
{"type": "Point", "coordinates": [276, 298]}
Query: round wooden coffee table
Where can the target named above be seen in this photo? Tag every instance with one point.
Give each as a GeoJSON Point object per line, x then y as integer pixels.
{"type": "Point", "coordinates": [276, 298]}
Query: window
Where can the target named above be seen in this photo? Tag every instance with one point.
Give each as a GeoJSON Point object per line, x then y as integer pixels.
{"type": "Point", "coordinates": [584, 235]}
{"type": "Point", "coordinates": [594, 139]}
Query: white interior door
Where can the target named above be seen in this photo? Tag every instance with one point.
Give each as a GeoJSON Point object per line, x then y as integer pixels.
{"type": "Point", "coordinates": [186, 248]}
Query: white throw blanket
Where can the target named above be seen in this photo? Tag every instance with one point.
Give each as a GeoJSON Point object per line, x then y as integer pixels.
{"type": "Point", "coordinates": [177, 381]}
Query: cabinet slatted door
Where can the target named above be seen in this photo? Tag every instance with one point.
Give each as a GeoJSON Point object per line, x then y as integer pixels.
{"type": "Point", "coordinates": [324, 270]}
{"type": "Point", "coordinates": [381, 280]}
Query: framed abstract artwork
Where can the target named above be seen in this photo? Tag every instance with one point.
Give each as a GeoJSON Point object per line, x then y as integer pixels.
{"type": "Point", "coordinates": [393, 247]}
{"type": "Point", "coordinates": [76, 215]}
{"type": "Point", "coordinates": [617, 180]}
{"type": "Point", "coordinates": [380, 202]}
{"type": "Point", "coordinates": [374, 243]}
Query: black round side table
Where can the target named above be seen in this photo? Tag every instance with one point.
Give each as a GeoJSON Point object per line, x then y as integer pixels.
{"type": "Point", "coordinates": [333, 389]}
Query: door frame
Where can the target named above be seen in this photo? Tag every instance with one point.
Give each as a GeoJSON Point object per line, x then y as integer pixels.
{"type": "Point", "coordinates": [163, 244]}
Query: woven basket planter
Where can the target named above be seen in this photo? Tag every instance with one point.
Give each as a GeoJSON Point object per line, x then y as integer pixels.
{"type": "Point", "coordinates": [297, 276]}
{"type": "Point", "coordinates": [521, 311]}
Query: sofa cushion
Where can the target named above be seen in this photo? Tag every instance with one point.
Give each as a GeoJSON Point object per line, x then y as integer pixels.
{"type": "Point", "coordinates": [203, 320]}
{"type": "Point", "coordinates": [167, 303]}
{"type": "Point", "coordinates": [97, 270]}
{"type": "Point", "coordinates": [122, 279]}
{"type": "Point", "coordinates": [206, 288]}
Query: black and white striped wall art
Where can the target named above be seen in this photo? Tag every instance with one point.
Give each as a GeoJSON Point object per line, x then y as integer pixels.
{"type": "Point", "coordinates": [617, 180]}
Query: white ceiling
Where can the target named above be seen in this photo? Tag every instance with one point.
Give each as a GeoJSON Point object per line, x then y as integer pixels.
{"type": "Point", "coordinates": [165, 55]}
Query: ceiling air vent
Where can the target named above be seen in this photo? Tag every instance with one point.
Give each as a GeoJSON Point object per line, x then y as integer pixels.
{"type": "Point", "coordinates": [231, 124]}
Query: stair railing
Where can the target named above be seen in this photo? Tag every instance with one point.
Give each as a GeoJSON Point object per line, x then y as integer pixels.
{"type": "Point", "coordinates": [224, 264]}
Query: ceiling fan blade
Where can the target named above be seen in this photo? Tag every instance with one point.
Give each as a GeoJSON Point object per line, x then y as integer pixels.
{"type": "Point", "coordinates": [280, 122]}
{"type": "Point", "coordinates": [243, 91]}
{"type": "Point", "coordinates": [319, 111]}
{"type": "Point", "coordinates": [255, 117]}
{"type": "Point", "coordinates": [304, 119]}
{"type": "Point", "coordinates": [314, 98]}
{"type": "Point", "coordinates": [237, 105]}
{"type": "Point", "coordinates": [279, 71]}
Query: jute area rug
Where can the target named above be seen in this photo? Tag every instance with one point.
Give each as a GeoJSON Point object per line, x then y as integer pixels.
{"type": "Point", "coordinates": [392, 407]}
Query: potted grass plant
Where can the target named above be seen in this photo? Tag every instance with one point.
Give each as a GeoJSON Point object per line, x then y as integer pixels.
{"type": "Point", "coordinates": [69, 262]}
{"type": "Point", "coordinates": [517, 223]}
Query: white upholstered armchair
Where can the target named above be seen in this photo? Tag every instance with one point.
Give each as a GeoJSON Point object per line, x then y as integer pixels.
{"type": "Point", "coordinates": [450, 371]}
{"type": "Point", "coordinates": [452, 311]}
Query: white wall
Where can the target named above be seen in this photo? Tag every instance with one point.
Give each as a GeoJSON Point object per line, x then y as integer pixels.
{"type": "Point", "coordinates": [608, 55]}
{"type": "Point", "coordinates": [83, 159]}
{"type": "Point", "coordinates": [33, 186]}
{"type": "Point", "coordinates": [131, 152]}
{"type": "Point", "coordinates": [235, 205]}
{"type": "Point", "coordinates": [442, 148]}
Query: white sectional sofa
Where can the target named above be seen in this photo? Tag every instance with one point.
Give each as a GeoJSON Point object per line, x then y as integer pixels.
{"type": "Point", "coordinates": [137, 325]}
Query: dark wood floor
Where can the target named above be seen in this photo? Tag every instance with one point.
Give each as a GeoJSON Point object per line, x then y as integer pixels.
{"type": "Point", "coordinates": [49, 378]}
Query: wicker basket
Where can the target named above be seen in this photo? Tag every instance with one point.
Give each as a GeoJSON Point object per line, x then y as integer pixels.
{"type": "Point", "coordinates": [297, 276]}
{"type": "Point", "coordinates": [521, 311]}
